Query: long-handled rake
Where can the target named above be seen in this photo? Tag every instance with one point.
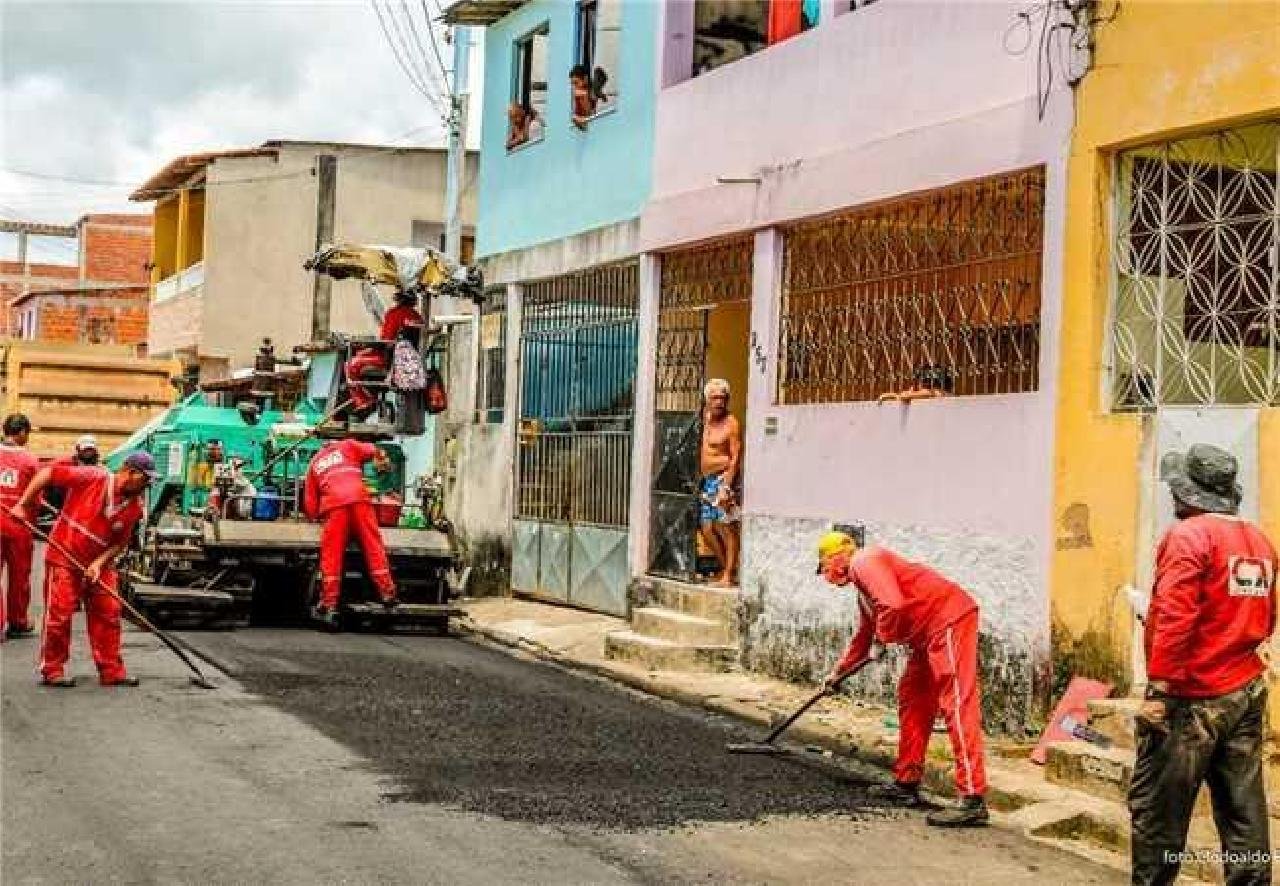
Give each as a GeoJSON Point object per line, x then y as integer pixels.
{"type": "Point", "coordinates": [766, 745]}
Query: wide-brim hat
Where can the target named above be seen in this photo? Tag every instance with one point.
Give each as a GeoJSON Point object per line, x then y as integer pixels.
{"type": "Point", "coordinates": [1204, 477]}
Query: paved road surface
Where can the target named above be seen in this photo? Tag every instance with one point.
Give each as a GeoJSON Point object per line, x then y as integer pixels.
{"type": "Point", "coordinates": [364, 759]}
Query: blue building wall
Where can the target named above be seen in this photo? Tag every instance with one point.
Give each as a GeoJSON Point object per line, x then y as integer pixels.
{"type": "Point", "coordinates": [571, 181]}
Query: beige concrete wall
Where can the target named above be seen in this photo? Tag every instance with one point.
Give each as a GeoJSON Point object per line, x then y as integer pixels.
{"type": "Point", "coordinates": [260, 226]}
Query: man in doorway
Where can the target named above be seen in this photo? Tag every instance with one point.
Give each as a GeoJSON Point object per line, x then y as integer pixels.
{"type": "Point", "coordinates": [721, 460]}
{"type": "Point", "coordinates": [1205, 713]}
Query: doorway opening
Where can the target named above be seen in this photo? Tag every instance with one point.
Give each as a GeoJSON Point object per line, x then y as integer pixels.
{"type": "Point", "coordinates": [704, 330]}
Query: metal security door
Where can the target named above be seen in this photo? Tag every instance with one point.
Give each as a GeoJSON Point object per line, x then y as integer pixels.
{"type": "Point", "coordinates": [578, 362]}
{"type": "Point", "coordinates": [693, 283]}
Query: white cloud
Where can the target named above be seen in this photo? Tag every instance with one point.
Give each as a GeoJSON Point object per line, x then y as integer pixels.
{"type": "Point", "coordinates": [110, 91]}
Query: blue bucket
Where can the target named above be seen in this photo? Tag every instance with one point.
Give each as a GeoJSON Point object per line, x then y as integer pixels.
{"type": "Point", "coordinates": [266, 505]}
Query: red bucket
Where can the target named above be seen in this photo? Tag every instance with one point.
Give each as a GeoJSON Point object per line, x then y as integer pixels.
{"type": "Point", "coordinates": [387, 509]}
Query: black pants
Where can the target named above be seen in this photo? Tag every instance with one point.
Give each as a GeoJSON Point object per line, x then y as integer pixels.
{"type": "Point", "coordinates": [1218, 740]}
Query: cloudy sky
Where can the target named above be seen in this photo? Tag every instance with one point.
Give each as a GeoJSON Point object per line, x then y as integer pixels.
{"type": "Point", "coordinates": [96, 95]}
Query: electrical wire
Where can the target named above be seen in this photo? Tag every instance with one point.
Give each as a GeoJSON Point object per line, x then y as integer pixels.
{"type": "Point", "coordinates": [403, 61]}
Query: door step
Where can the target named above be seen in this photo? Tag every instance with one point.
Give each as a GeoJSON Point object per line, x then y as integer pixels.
{"type": "Point", "coordinates": [703, 601]}
{"type": "Point", "coordinates": [656, 654]}
{"type": "Point", "coordinates": [680, 627]}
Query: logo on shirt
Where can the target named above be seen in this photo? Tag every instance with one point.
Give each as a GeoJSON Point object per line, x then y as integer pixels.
{"type": "Point", "coordinates": [1249, 577]}
{"type": "Point", "coordinates": [332, 460]}
{"type": "Point", "coordinates": [9, 478]}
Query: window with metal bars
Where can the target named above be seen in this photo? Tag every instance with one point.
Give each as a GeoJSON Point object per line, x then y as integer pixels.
{"type": "Point", "coordinates": [1196, 259]}
{"type": "Point", "coordinates": [491, 374]}
{"type": "Point", "coordinates": [944, 283]}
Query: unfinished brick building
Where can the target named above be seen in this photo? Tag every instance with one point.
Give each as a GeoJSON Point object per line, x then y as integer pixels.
{"type": "Point", "coordinates": [102, 299]}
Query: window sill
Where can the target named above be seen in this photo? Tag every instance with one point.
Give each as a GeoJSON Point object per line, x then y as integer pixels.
{"type": "Point", "coordinates": [526, 145]}
{"type": "Point", "coordinates": [613, 107]}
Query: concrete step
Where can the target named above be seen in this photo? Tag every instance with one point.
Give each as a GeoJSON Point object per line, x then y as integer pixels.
{"type": "Point", "coordinates": [664, 655]}
{"type": "Point", "coordinates": [669, 624]}
{"type": "Point", "coordinates": [720, 604]}
{"type": "Point", "coordinates": [1113, 717]}
{"type": "Point", "coordinates": [1102, 772]}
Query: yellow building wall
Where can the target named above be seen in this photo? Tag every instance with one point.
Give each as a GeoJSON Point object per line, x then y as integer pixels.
{"type": "Point", "coordinates": [164, 239]}
{"type": "Point", "coordinates": [1162, 70]}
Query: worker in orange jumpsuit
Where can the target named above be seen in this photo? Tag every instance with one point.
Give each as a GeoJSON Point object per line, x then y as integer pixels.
{"type": "Point", "coordinates": [17, 467]}
{"type": "Point", "coordinates": [95, 527]}
{"type": "Point", "coordinates": [910, 604]}
{"type": "Point", "coordinates": [403, 315]}
{"type": "Point", "coordinates": [334, 492]}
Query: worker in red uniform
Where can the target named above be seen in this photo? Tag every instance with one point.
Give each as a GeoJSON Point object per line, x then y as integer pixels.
{"type": "Point", "coordinates": [1205, 713]}
{"type": "Point", "coordinates": [334, 492]}
{"type": "Point", "coordinates": [910, 604]}
{"type": "Point", "coordinates": [403, 315]}
{"type": "Point", "coordinates": [17, 467]}
{"type": "Point", "coordinates": [95, 527]}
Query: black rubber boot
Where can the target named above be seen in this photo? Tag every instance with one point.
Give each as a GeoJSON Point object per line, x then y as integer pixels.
{"type": "Point", "coordinates": [17, 632]}
{"type": "Point", "coordinates": [126, 682]}
{"type": "Point", "coordinates": [895, 794]}
{"type": "Point", "coordinates": [58, 682]}
{"type": "Point", "coordinates": [970, 813]}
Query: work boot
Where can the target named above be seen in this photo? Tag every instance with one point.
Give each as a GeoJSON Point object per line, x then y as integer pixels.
{"type": "Point", "coordinates": [14, 632]}
{"type": "Point", "coordinates": [896, 793]}
{"type": "Point", "coordinates": [58, 682]}
{"type": "Point", "coordinates": [391, 601]}
{"type": "Point", "coordinates": [326, 617]}
{"type": "Point", "coordinates": [970, 813]}
{"type": "Point", "coordinates": [128, 682]}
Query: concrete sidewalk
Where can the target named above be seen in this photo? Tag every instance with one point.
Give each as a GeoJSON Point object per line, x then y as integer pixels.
{"type": "Point", "coordinates": [1019, 795]}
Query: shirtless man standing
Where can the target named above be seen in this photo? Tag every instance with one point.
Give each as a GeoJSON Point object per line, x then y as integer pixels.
{"type": "Point", "coordinates": [721, 459]}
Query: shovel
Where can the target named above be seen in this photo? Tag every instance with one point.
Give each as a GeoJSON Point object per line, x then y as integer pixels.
{"type": "Point", "coordinates": [767, 746]}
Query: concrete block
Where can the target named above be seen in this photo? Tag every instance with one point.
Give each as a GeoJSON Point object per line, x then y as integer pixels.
{"type": "Point", "coordinates": [1102, 772]}
{"type": "Point", "coordinates": [664, 655]}
{"type": "Point", "coordinates": [669, 624]}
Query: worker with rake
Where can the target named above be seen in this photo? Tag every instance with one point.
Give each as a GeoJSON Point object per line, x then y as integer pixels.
{"type": "Point", "coordinates": [95, 527]}
{"type": "Point", "coordinates": [910, 604]}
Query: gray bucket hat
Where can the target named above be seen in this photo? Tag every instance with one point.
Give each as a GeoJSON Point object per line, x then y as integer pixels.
{"type": "Point", "coordinates": [1204, 477]}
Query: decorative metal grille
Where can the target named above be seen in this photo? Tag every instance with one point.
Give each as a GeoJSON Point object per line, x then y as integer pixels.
{"type": "Point", "coordinates": [1194, 318]}
{"type": "Point", "coordinates": [947, 279]}
{"type": "Point", "coordinates": [692, 282]}
{"type": "Point", "coordinates": [578, 347]}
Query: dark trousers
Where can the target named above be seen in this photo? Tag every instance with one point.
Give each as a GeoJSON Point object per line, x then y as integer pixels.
{"type": "Point", "coordinates": [1218, 740]}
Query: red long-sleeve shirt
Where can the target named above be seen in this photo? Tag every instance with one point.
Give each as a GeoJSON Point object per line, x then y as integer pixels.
{"type": "Point", "coordinates": [1212, 606]}
{"type": "Point", "coordinates": [335, 477]}
{"type": "Point", "coordinates": [396, 320]}
{"type": "Point", "coordinates": [17, 467]}
{"type": "Point", "coordinates": [900, 601]}
{"type": "Point", "coordinates": [95, 516]}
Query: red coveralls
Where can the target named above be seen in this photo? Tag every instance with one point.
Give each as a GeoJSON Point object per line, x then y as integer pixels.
{"type": "Point", "coordinates": [395, 321]}
{"type": "Point", "coordinates": [93, 519]}
{"type": "Point", "coordinates": [334, 491]}
{"type": "Point", "coordinates": [907, 603]}
{"type": "Point", "coordinates": [17, 467]}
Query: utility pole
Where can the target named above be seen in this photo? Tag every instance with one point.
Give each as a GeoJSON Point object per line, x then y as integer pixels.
{"type": "Point", "coordinates": [457, 165]}
{"type": "Point", "coordinates": [326, 196]}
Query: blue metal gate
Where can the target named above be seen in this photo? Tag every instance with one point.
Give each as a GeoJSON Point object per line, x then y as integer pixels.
{"type": "Point", "coordinates": [573, 467]}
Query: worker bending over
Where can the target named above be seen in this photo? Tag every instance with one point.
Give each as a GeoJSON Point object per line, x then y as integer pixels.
{"type": "Point", "coordinates": [17, 467]}
{"type": "Point", "coordinates": [334, 492]}
{"type": "Point", "coordinates": [910, 604]}
{"type": "Point", "coordinates": [95, 527]}
{"type": "Point", "coordinates": [403, 315]}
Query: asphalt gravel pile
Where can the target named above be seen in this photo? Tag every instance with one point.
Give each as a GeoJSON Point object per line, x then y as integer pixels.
{"type": "Point", "coordinates": [466, 726]}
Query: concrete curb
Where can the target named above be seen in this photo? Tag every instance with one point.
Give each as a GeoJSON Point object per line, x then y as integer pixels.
{"type": "Point", "coordinates": [1040, 812]}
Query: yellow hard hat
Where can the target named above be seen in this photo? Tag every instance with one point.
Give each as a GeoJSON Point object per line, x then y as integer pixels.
{"type": "Point", "coordinates": [834, 542]}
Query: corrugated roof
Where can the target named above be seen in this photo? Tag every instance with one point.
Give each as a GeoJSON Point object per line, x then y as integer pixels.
{"type": "Point", "coordinates": [480, 13]}
{"type": "Point", "coordinates": [178, 170]}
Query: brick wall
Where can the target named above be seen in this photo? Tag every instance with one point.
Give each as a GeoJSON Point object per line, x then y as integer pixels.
{"type": "Point", "coordinates": [116, 317]}
{"type": "Point", "coordinates": [14, 283]}
{"type": "Point", "coordinates": [116, 248]}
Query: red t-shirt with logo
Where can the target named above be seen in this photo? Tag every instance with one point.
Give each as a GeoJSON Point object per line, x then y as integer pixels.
{"type": "Point", "coordinates": [335, 478]}
{"type": "Point", "coordinates": [901, 601]}
{"type": "Point", "coordinates": [17, 467]}
{"type": "Point", "coordinates": [1213, 605]}
{"type": "Point", "coordinates": [397, 319]}
{"type": "Point", "coordinates": [94, 518]}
